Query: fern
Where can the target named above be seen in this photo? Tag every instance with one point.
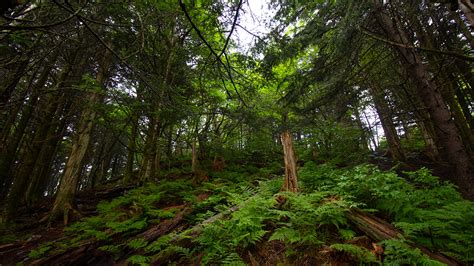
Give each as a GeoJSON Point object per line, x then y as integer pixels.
{"type": "Point", "coordinates": [286, 234]}
{"type": "Point", "coordinates": [243, 229]}
{"type": "Point", "coordinates": [39, 252]}
{"type": "Point", "coordinates": [308, 218]}
{"type": "Point", "coordinates": [127, 225]}
{"type": "Point", "coordinates": [137, 243]}
{"type": "Point", "coordinates": [159, 244]}
{"type": "Point", "coordinates": [110, 248]}
{"type": "Point", "coordinates": [430, 212]}
{"type": "Point", "coordinates": [186, 252]}
{"type": "Point", "coordinates": [233, 259]}
{"type": "Point", "coordinates": [361, 254]}
{"type": "Point", "coordinates": [139, 260]}
{"type": "Point", "coordinates": [346, 233]}
{"type": "Point", "coordinates": [397, 252]}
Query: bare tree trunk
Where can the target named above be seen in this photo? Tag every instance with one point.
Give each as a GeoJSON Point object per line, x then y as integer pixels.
{"type": "Point", "coordinates": [42, 168]}
{"type": "Point", "coordinates": [291, 173]}
{"type": "Point", "coordinates": [31, 152]}
{"type": "Point", "coordinates": [72, 172]}
{"type": "Point", "coordinates": [388, 126]}
{"type": "Point", "coordinates": [132, 146]}
{"type": "Point", "coordinates": [447, 132]}
{"type": "Point", "coordinates": [194, 160]}
{"type": "Point", "coordinates": [363, 132]}
{"type": "Point", "coordinates": [10, 142]}
{"type": "Point", "coordinates": [149, 166]}
{"type": "Point", "coordinates": [12, 82]}
{"type": "Point", "coordinates": [430, 143]}
{"type": "Point", "coordinates": [446, 80]}
{"type": "Point", "coordinates": [380, 230]}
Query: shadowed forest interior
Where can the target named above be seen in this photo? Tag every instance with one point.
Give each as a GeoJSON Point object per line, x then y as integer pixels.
{"type": "Point", "coordinates": [243, 132]}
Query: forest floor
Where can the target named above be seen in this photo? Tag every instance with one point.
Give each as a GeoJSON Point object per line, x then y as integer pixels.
{"type": "Point", "coordinates": [238, 216]}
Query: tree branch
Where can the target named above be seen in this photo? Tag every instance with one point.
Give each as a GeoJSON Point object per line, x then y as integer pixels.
{"type": "Point", "coordinates": [218, 58]}
{"type": "Point", "coordinates": [232, 29]}
{"type": "Point", "coordinates": [34, 27]}
{"type": "Point", "coordinates": [379, 38]}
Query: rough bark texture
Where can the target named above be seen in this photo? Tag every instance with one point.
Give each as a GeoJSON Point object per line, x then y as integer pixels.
{"type": "Point", "coordinates": [380, 230]}
{"type": "Point", "coordinates": [447, 132]}
{"type": "Point", "coordinates": [42, 169]}
{"type": "Point", "coordinates": [30, 156]}
{"type": "Point", "coordinates": [75, 161]}
{"type": "Point", "coordinates": [291, 173]}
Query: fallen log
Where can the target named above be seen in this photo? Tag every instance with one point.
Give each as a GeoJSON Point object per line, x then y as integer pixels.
{"type": "Point", "coordinates": [182, 239]}
{"type": "Point", "coordinates": [380, 230]}
{"type": "Point", "coordinates": [88, 253]}
{"type": "Point", "coordinates": [165, 227]}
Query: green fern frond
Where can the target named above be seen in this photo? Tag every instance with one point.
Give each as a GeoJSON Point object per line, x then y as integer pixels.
{"type": "Point", "coordinates": [286, 234]}
{"type": "Point", "coordinates": [137, 243]}
{"type": "Point", "coordinates": [139, 260]}
{"type": "Point", "coordinates": [233, 259]}
{"type": "Point", "coordinates": [360, 253]}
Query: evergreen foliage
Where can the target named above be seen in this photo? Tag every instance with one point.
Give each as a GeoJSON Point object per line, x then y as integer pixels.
{"type": "Point", "coordinates": [169, 102]}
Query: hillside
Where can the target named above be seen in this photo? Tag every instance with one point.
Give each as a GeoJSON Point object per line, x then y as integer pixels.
{"type": "Point", "coordinates": [257, 132]}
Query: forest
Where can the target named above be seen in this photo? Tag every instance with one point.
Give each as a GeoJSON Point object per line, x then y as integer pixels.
{"type": "Point", "coordinates": [242, 132]}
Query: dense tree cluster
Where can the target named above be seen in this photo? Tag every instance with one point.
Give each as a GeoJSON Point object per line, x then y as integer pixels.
{"type": "Point", "coordinates": [99, 91]}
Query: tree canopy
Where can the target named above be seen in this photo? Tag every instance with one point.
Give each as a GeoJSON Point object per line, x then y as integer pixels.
{"type": "Point", "coordinates": [136, 94]}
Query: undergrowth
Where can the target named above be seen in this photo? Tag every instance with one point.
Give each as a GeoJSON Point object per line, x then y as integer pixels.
{"type": "Point", "coordinates": [428, 211]}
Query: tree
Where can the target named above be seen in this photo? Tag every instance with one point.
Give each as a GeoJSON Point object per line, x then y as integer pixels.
{"type": "Point", "coordinates": [72, 171]}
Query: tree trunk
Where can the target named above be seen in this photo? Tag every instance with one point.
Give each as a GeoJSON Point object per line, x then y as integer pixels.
{"type": "Point", "coordinates": [42, 168]}
{"type": "Point", "coordinates": [148, 166]}
{"type": "Point", "coordinates": [132, 146]}
{"type": "Point", "coordinates": [194, 158]}
{"type": "Point", "coordinates": [11, 142]}
{"type": "Point", "coordinates": [363, 132]}
{"type": "Point", "coordinates": [12, 82]}
{"type": "Point", "coordinates": [69, 181]}
{"type": "Point", "coordinates": [447, 132]}
{"type": "Point", "coordinates": [447, 77]}
{"type": "Point", "coordinates": [388, 126]}
{"type": "Point", "coordinates": [291, 173]}
{"type": "Point", "coordinates": [30, 153]}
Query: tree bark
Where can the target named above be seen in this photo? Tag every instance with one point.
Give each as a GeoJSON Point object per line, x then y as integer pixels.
{"type": "Point", "coordinates": [194, 158]}
{"type": "Point", "coordinates": [132, 146]}
{"type": "Point", "coordinates": [447, 132]}
{"type": "Point", "coordinates": [379, 230]}
{"type": "Point", "coordinates": [40, 173]}
{"type": "Point", "coordinates": [291, 172]}
{"type": "Point", "coordinates": [388, 126]}
{"type": "Point", "coordinates": [69, 181]}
